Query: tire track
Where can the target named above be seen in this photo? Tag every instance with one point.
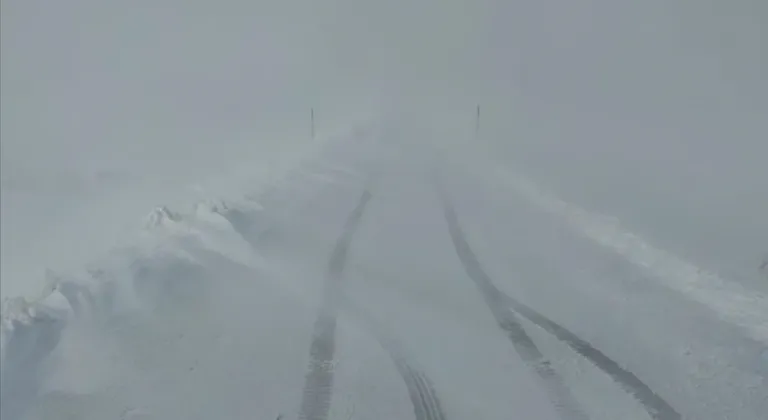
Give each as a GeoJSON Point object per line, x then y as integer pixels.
{"type": "Point", "coordinates": [318, 385]}
{"type": "Point", "coordinates": [560, 395]}
{"type": "Point", "coordinates": [656, 406]}
{"type": "Point", "coordinates": [426, 405]}
{"type": "Point", "coordinates": [502, 305]}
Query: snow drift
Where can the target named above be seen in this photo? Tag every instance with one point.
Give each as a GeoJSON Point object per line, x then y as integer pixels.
{"type": "Point", "coordinates": [170, 266]}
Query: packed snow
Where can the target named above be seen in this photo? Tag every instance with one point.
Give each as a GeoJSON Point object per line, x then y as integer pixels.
{"type": "Point", "coordinates": [209, 312]}
{"type": "Point", "coordinates": [356, 209]}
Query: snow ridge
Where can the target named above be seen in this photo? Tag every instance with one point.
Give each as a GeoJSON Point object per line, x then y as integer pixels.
{"type": "Point", "coordinates": [160, 216]}
{"type": "Point", "coordinates": [128, 280]}
{"type": "Point", "coordinates": [729, 300]}
{"type": "Point", "coordinates": [167, 259]}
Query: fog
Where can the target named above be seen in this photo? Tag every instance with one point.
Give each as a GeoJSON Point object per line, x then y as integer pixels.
{"type": "Point", "coordinates": [648, 120]}
{"type": "Point", "coordinates": [652, 111]}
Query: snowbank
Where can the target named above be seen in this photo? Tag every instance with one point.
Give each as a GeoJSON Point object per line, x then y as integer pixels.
{"type": "Point", "coordinates": [163, 265]}
{"type": "Point", "coordinates": [166, 263]}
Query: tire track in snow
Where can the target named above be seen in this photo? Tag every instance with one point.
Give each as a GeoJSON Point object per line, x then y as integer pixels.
{"type": "Point", "coordinates": [318, 385]}
{"type": "Point", "coordinates": [426, 405]}
{"type": "Point", "coordinates": [507, 320]}
{"type": "Point", "coordinates": [656, 407]}
{"type": "Point", "coordinates": [319, 382]}
{"type": "Point", "coordinates": [318, 388]}
{"type": "Point", "coordinates": [502, 305]}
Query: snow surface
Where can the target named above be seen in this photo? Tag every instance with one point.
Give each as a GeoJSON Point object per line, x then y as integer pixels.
{"type": "Point", "coordinates": [175, 245]}
{"type": "Point", "coordinates": [210, 311]}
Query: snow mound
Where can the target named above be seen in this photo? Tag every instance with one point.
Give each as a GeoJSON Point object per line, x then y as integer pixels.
{"type": "Point", "coordinates": [167, 265]}
{"type": "Point", "coordinates": [211, 206]}
{"type": "Point", "coordinates": [161, 216]}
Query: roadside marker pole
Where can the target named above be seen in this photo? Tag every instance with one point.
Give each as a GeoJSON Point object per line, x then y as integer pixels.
{"type": "Point", "coordinates": [312, 122]}
{"type": "Point", "coordinates": [477, 122]}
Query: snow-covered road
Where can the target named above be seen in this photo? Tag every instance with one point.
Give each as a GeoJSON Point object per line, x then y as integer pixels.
{"type": "Point", "coordinates": [386, 278]}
